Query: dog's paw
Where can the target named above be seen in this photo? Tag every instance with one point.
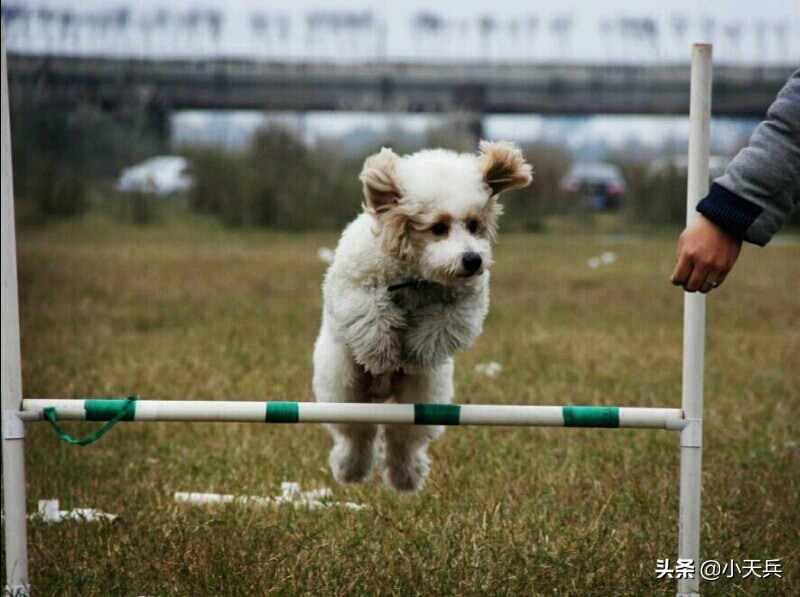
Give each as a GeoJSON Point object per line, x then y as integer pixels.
{"type": "Point", "coordinates": [424, 350]}
{"type": "Point", "coordinates": [385, 353]}
{"type": "Point", "coordinates": [351, 463]}
{"type": "Point", "coordinates": [376, 350]}
{"type": "Point", "coordinates": [407, 474]}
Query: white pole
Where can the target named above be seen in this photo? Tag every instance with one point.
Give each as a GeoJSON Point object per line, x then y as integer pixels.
{"type": "Point", "coordinates": [16, 539]}
{"type": "Point", "coordinates": [694, 321]}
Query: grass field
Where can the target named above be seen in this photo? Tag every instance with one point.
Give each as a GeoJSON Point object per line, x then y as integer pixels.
{"type": "Point", "coordinates": [187, 309]}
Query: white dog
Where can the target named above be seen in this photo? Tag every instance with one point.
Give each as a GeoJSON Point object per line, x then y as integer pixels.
{"type": "Point", "coordinates": [408, 286]}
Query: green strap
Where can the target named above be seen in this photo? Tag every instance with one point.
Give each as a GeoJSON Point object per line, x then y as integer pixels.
{"type": "Point", "coordinates": [128, 408]}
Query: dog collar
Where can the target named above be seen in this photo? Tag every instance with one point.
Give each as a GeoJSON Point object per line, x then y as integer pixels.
{"type": "Point", "coordinates": [405, 284]}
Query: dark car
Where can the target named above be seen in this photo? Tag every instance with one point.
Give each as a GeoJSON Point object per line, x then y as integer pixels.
{"type": "Point", "coordinates": [597, 185]}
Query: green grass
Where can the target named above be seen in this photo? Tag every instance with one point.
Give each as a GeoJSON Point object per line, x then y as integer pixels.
{"type": "Point", "coordinates": [186, 309]}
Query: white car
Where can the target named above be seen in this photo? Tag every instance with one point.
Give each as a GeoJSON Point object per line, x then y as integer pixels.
{"type": "Point", "coordinates": [163, 176]}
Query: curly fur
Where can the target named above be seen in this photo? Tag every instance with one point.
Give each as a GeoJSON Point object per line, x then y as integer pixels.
{"type": "Point", "coordinates": [423, 214]}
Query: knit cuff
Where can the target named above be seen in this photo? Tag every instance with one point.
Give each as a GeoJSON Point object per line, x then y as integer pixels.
{"type": "Point", "coordinates": [729, 211]}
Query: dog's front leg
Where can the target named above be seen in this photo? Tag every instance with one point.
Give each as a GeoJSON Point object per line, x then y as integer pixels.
{"type": "Point", "coordinates": [438, 330]}
{"type": "Point", "coordinates": [337, 378]}
{"type": "Point", "coordinates": [369, 324]}
{"type": "Point", "coordinates": [406, 462]}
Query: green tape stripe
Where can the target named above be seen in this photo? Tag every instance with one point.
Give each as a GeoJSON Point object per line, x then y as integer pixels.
{"type": "Point", "coordinates": [591, 416]}
{"type": "Point", "coordinates": [105, 410]}
{"type": "Point", "coordinates": [437, 414]}
{"type": "Point", "coordinates": [282, 412]}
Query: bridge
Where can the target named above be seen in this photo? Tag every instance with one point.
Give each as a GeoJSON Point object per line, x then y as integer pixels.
{"type": "Point", "coordinates": [476, 88]}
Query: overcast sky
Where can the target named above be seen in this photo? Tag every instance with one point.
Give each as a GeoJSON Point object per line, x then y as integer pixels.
{"type": "Point", "coordinates": [770, 30]}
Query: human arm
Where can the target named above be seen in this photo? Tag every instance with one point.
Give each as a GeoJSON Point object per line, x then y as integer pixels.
{"type": "Point", "coordinates": [751, 201]}
{"type": "Point", "coordinates": [761, 186]}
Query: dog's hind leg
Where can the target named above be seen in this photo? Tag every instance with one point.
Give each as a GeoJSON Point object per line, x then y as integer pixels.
{"type": "Point", "coordinates": [337, 378]}
{"type": "Point", "coordinates": [353, 453]}
{"type": "Point", "coordinates": [406, 463]}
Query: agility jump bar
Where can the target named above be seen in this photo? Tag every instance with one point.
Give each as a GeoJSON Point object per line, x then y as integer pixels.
{"type": "Point", "coordinates": [315, 412]}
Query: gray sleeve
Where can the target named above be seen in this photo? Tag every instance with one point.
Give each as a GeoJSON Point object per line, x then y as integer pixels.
{"type": "Point", "coordinates": [757, 194]}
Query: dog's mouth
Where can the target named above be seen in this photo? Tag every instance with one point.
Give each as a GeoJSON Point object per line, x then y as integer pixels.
{"type": "Point", "coordinates": [454, 275]}
{"type": "Point", "coordinates": [474, 274]}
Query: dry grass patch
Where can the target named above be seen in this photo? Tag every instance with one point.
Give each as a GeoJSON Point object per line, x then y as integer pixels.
{"type": "Point", "coordinates": [187, 309]}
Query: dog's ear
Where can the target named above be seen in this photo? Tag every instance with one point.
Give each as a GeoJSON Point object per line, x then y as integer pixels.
{"type": "Point", "coordinates": [380, 190]}
{"type": "Point", "coordinates": [396, 237]}
{"type": "Point", "coordinates": [503, 166]}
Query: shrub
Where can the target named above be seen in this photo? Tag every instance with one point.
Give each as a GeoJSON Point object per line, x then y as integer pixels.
{"type": "Point", "coordinates": [138, 208]}
{"type": "Point", "coordinates": [57, 156]}
{"type": "Point", "coordinates": [221, 181]}
{"type": "Point", "coordinates": [278, 182]}
{"type": "Point", "coordinates": [655, 198]}
{"type": "Point", "coordinates": [57, 191]}
{"type": "Point", "coordinates": [526, 209]}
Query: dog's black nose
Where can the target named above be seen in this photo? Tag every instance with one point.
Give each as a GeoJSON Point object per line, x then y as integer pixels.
{"type": "Point", "coordinates": [472, 262]}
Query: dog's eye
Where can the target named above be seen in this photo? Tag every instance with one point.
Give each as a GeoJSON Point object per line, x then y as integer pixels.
{"type": "Point", "coordinates": [439, 229]}
{"type": "Point", "coordinates": [472, 226]}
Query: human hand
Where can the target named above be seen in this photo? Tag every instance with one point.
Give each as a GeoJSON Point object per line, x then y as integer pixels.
{"type": "Point", "coordinates": [706, 253]}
